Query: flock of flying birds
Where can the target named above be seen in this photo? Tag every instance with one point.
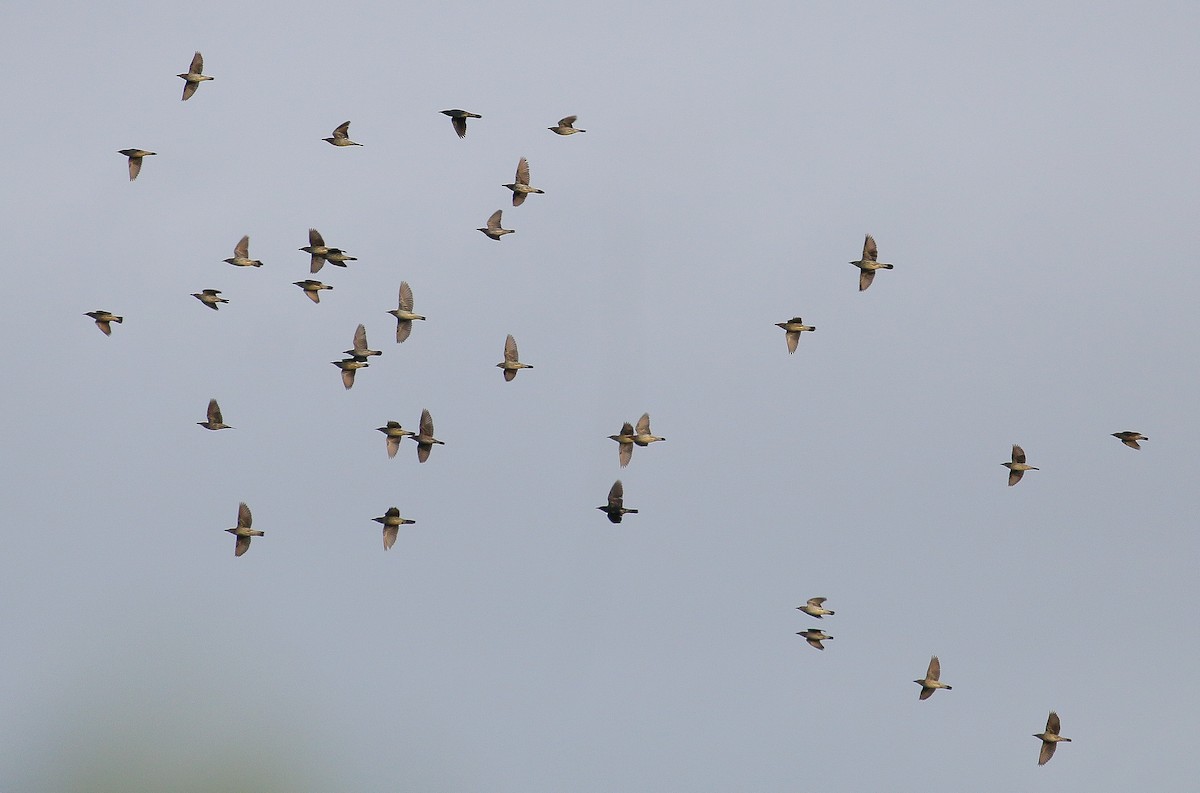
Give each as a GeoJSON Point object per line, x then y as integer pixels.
{"type": "Point", "coordinates": [631, 435]}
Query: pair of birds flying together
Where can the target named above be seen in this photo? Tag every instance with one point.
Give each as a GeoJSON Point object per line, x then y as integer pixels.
{"type": "Point", "coordinates": [631, 436]}
{"type": "Point", "coordinates": [394, 433]}
{"type": "Point", "coordinates": [814, 636]}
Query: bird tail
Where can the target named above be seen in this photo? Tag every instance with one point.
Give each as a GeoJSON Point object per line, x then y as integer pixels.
{"type": "Point", "coordinates": [118, 319]}
{"type": "Point", "coordinates": [886, 266]}
{"type": "Point", "coordinates": [256, 533]}
{"type": "Point", "coordinates": [632, 511]}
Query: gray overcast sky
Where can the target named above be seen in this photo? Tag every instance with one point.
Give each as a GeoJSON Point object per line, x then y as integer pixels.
{"type": "Point", "coordinates": [1030, 169]}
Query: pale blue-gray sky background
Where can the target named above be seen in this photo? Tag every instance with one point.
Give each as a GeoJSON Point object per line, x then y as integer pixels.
{"type": "Point", "coordinates": [1031, 172]}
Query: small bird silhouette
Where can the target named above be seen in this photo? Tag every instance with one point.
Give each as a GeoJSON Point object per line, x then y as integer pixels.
{"type": "Point", "coordinates": [392, 522]}
{"type": "Point", "coordinates": [615, 508]}
{"type": "Point", "coordinates": [424, 437]}
{"type": "Point", "coordinates": [210, 298]}
{"type": "Point", "coordinates": [566, 126]}
{"type": "Point", "coordinates": [404, 314]}
{"type": "Point", "coordinates": [869, 263]}
{"type": "Point", "coordinates": [458, 118]}
{"type": "Point", "coordinates": [931, 682]}
{"type": "Point", "coordinates": [1050, 738]}
{"type": "Point", "coordinates": [215, 421]}
{"type": "Point", "coordinates": [1017, 468]}
{"type": "Point", "coordinates": [341, 136]}
{"type": "Point", "coordinates": [361, 351]}
{"type": "Point", "coordinates": [349, 366]}
{"type": "Point", "coordinates": [814, 637]}
{"type": "Point", "coordinates": [813, 608]}
{"type": "Point", "coordinates": [643, 437]}
{"type": "Point", "coordinates": [625, 441]}
{"type": "Point", "coordinates": [193, 76]}
{"type": "Point", "coordinates": [242, 531]}
{"type": "Point", "coordinates": [312, 288]}
{"type": "Point", "coordinates": [793, 328]}
{"type": "Point", "coordinates": [394, 434]}
{"type": "Point", "coordinates": [510, 364]}
{"type": "Point", "coordinates": [521, 186]}
{"type": "Point", "coordinates": [103, 318]}
{"type": "Point", "coordinates": [1130, 438]}
{"type": "Point", "coordinates": [135, 160]}
{"type": "Point", "coordinates": [241, 254]}
{"type": "Point", "coordinates": [493, 229]}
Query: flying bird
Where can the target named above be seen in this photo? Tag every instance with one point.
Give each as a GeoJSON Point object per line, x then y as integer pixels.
{"type": "Point", "coordinates": [615, 508]}
{"type": "Point", "coordinates": [931, 682]}
{"type": "Point", "coordinates": [459, 119]}
{"type": "Point", "coordinates": [215, 421]}
{"type": "Point", "coordinates": [394, 433]}
{"type": "Point", "coordinates": [521, 186]}
{"type": "Point", "coordinates": [341, 136]}
{"type": "Point", "coordinates": [1017, 468]}
{"type": "Point", "coordinates": [312, 288]}
{"type": "Point", "coordinates": [869, 263]}
{"type": "Point", "coordinates": [210, 298]}
{"type": "Point", "coordinates": [242, 531]}
{"type": "Point", "coordinates": [566, 126]}
{"type": "Point", "coordinates": [1050, 738]}
{"type": "Point", "coordinates": [424, 437]}
{"type": "Point", "coordinates": [361, 351]}
{"type": "Point", "coordinates": [193, 76]}
{"type": "Point", "coordinates": [241, 254]}
{"type": "Point", "coordinates": [793, 328]}
{"type": "Point", "coordinates": [1130, 438]}
{"type": "Point", "coordinates": [404, 314]}
{"type": "Point", "coordinates": [643, 437]}
{"type": "Point", "coordinates": [813, 608]}
{"type": "Point", "coordinates": [103, 318]}
{"type": "Point", "coordinates": [625, 441]}
{"type": "Point", "coordinates": [814, 637]}
{"type": "Point", "coordinates": [493, 229]}
{"type": "Point", "coordinates": [510, 364]}
{"type": "Point", "coordinates": [349, 366]}
{"type": "Point", "coordinates": [135, 160]}
{"type": "Point", "coordinates": [392, 522]}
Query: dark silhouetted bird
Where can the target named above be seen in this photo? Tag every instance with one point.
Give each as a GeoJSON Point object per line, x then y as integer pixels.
{"type": "Point", "coordinates": [615, 508]}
